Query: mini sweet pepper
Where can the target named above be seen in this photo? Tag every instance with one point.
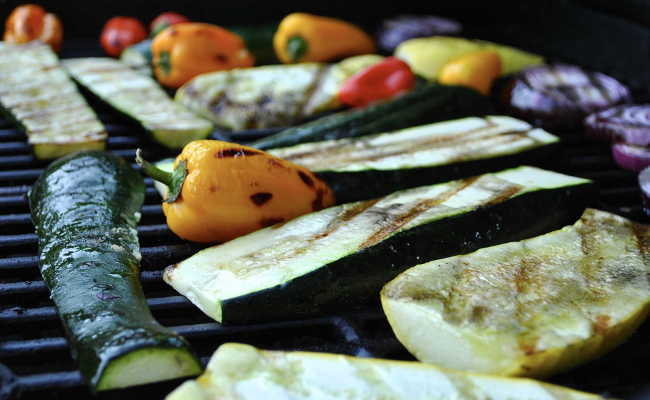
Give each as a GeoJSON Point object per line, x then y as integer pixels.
{"type": "Point", "coordinates": [30, 22]}
{"type": "Point", "coordinates": [219, 191]}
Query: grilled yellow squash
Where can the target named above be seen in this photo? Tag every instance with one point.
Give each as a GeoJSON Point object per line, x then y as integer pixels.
{"type": "Point", "coordinates": [529, 308]}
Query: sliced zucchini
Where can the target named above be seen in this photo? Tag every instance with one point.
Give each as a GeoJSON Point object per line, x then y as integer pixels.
{"type": "Point", "coordinates": [39, 96]}
{"type": "Point", "coordinates": [85, 208]}
{"type": "Point", "coordinates": [529, 308]}
{"type": "Point", "coordinates": [240, 372]}
{"type": "Point", "coordinates": [383, 163]}
{"type": "Point", "coordinates": [340, 257]}
{"type": "Point", "coordinates": [139, 97]}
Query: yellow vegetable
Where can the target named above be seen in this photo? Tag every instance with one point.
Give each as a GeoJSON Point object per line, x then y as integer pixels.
{"type": "Point", "coordinates": [219, 191]}
{"type": "Point", "coordinates": [476, 70]}
{"type": "Point", "coordinates": [305, 37]}
{"type": "Point", "coordinates": [427, 56]}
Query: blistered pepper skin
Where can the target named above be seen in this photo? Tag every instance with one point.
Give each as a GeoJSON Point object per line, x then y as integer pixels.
{"type": "Point", "coordinates": [231, 190]}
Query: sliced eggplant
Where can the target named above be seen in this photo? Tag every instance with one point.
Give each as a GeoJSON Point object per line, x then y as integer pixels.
{"type": "Point", "coordinates": [140, 98]}
{"type": "Point", "coordinates": [384, 163]}
{"type": "Point", "coordinates": [242, 372]}
{"type": "Point", "coordinates": [40, 97]}
{"type": "Point", "coordinates": [530, 308]}
{"type": "Point", "coordinates": [560, 96]}
{"type": "Point", "coordinates": [340, 257]}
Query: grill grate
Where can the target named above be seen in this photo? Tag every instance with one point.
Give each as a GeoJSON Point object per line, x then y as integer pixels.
{"type": "Point", "coordinates": [32, 340]}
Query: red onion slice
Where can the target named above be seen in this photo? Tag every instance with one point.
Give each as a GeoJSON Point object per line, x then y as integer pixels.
{"type": "Point", "coordinates": [627, 123]}
{"type": "Point", "coordinates": [644, 184]}
{"type": "Point", "coordinates": [404, 27]}
{"type": "Point", "coordinates": [560, 96]}
{"type": "Point", "coordinates": [630, 157]}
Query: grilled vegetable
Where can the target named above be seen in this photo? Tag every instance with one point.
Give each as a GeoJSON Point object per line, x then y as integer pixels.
{"type": "Point", "coordinates": [40, 97]}
{"type": "Point", "coordinates": [339, 258]}
{"type": "Point", "coordinates": [626, 123]}
{"type": "Point", "coordinates": [259, 41]}
{"type": "Point", "coordinates": [271, 96]}
{"type": "Point", "coordinates": [422, 105]}
{"type": "Point", "coordinates": [186, 50]}
{"type": "Point", "coordinates": [631, 157]}
{"type": "Point", "coordinates": [138, 56]}
{"type": "Point", "coordinates": [30, 22]}
{"type": "Point", "coordinates": [305, 37]}
{"type": "Point", "coordinates": [531, 308]}
{"type": "Point", "coordinates": [120, 33]}
{"type": "Point", "coordinates": [140, 98]}
{"type": "Point", "coordinates": [404, 27]}
{"type": "Point", "coordinates": [238, 371]}
{"type": "Point", "coordinates": [476, 70]}
{"type": "Point", "coordinates": [219, 191]}
{"type": "Point", "coordinates": [644, 184]}
{"type": "Point", "coordinates": [384, 163]}
{"type": "Point", "coordinates": [560, 96]}
{"type": "Point", "coordinates": [85, 208]}
{"type": "Point", "coordinates": [381, 81]}
{"type": "Point", "coordinates": [165, 20]}
{"type": "Point", "coordinates": [427, 56]}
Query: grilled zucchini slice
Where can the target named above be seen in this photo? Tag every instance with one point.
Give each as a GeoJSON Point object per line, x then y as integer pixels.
{"type": "Point", "coordinates": [139, 97]}
{"type": "Point", "coordinates": [426, 154]}
{"type": "Point", "coordinates": [239, 371]}
{"type": "Point", "coordinates": [39, 96]}
{"type": "Point", "coordinates": [340, 257]}
{"type": "Point", "coordinates": [530, 308]}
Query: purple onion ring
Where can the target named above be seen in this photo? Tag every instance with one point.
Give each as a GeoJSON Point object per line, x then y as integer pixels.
{"type": "Point", "coordinates": [627, 123]}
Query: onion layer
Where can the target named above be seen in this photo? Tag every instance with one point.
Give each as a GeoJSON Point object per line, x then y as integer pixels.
{"type": "Point", "coordinates": [631, 157]}
{"type": "Point", "coordinates": [627, 123]}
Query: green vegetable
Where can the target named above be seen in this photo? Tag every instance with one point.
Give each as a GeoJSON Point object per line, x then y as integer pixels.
{"type": "Point", "coordinates": [85, 208]}
{"type": "Point", "coordinates": [138, 56]}
{"type": "Point", "coordinates": [140, 98]}
{"type": "Point", "coordinates": [259, 41]}
{"type": "Point", "coordinates": [426, 104]}
{"type": "Point", "coordinates": [339, 258]}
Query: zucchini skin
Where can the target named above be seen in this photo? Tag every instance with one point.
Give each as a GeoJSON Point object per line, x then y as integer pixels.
{"type": "Point", "coordinates": [378, 183]}
{"type": "Point", "coordinates": [85, 209]}
{"type": "Point", "coordinates": [354, 282]}
{"type": "Point", "coordinates": [426, 104]}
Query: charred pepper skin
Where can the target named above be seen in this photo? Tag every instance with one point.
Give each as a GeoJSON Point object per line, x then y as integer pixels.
{"type": "Point", "coordinates": [230, 190]}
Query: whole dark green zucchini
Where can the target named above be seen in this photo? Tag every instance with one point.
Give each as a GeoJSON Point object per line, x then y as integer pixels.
{"type": "Point", "coordinates": [429, 103]}
{"type": "Point", "coordinates": [85, 208]}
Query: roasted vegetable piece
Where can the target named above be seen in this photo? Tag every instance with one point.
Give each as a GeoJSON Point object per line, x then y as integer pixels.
{"type": "Point", "coordinates": [140, 98]}
{"type": "Point", "coordinates": [30, 22]}
{"type": "Point", "coordinates": [186, 50]}
{"type": "Point", "coordinates": [164, 20]}
{"type": "Point", "coordinates": [138, 56]}
{"type": "Point", "coordinates": [644, 184]}
{"type": "Point", "coordinates": [530, 308]}
{"type": "Point", "coordinates": [476, 70]}
{"type": "Point", "coordinates": [627, 156]}
{"type": "Point", "coordinates": [259, 41]}
{"type": "Point", "coordinates": [42, 99]}
{"type": "Point", "coordinates": [380, 81]}
{"type": "Point", "coordinates": [306, 38]}
{"type": "Point", "coordinates": [430, 103]}
{"type": "Point", "coordinates": [120, 33]}
{"type": "Point", "coordinates": [560, 96]}
{"type": "Point", "coordinates": [339, 258]}
{"type": "Point", "coordinates": [427, 56]}
{"type": "Point", "coordinates": [221, 190]}
{"type": "Point", "coordinates": [238, 371]}
{"type": "Point", "coordinates": [629, 123]}
{"type": "Point", "coordinates": [404, 27]}
{"type": "Point", "coordinates": [85, 208]}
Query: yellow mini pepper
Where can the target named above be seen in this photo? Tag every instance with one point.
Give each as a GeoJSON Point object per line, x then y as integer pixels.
{"type": "Point", "coordinates": [311, 38]}
{"type": "Point", "coordinates": [219, 191]}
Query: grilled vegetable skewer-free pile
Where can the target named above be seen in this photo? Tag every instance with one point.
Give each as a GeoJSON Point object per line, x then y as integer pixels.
{"type": "Point", "coordinates": [532, 308]}
{"type": "Point", "coordinates": [238, 371]}
{"type": "Point", "coordinates": [37, 93]}
{"type": "Point", "coordinates": [139, 97]}
{"type": "Point", "coordinates": [340, 257]}
{"type": "Point", "coordinates": [85, 208]}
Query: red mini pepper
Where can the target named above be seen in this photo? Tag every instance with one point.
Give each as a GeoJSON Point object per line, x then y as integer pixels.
{"type": "Point", "coordinates": [378, 82]}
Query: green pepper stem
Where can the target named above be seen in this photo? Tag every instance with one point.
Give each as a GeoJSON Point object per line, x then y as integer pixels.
{"type": "Point", "coordinates": [296, 48]}
{"type": "Point", "coordinates": [153, 171]}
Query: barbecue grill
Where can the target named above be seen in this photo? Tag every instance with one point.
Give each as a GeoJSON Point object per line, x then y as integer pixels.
{"type": "Point", "coordinates": [32, 342]}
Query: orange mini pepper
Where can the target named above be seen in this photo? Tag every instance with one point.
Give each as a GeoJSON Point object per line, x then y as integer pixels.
{"type": "Point", "coordinates": [30, 22]}
{"type": "Point", "coordinates": [183, 51]}
{"type": "Point", "coordinates": [219, 191]}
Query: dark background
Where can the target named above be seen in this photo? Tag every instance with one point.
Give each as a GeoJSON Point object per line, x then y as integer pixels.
{"type": "Point", "coordinates": [609, 36]}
